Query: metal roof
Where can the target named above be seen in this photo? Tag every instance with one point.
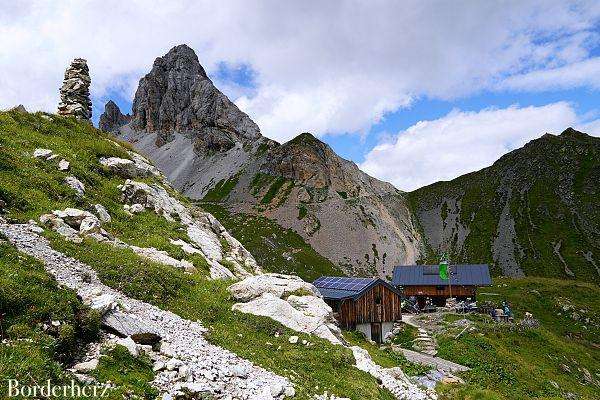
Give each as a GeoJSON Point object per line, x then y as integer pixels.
{"type": "Point", "coordinates": [460, 274]}
{"type": "Point", "coordinates": [339, 288]}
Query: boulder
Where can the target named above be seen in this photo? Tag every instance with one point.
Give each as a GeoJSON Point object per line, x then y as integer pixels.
{"type": "Point", "coordinates": [58, 225]}
{"type": "Point", "coordinates": [89, 225]}
{"type": "Point", "coordinates": [162, 257]}
{"type": "Point", "coordinates": [154, 197]}
{"type": "Point", "coordinates": [103, 215]}
{"type": "Point", "coordinates": [269, 305]}
{"type": "Point", "coordinates": [277, 284]}
{"type": "Point", "coordinates": [185, 246]}
{"type": "Point", "coordinates": [125, 168]}
{"type": "Point", "coordinates": [130, 345]}
{"type": "Point", "coordinates": [125, 325]}
{"type": "Point", "coordinates": [103, 303]}
{"type": "Point", "coordinates": [87, 366]}
{"type": "Point", "coordinates": [136, 208]}
{"type": "Point", "coordinates": [42, 153]}
{"type": "Point", "coordinates": [73, 216]}
{"type": "Point", "coordinates": [76, 185]}
{"type": "Point", "coordinates": [63, 165]}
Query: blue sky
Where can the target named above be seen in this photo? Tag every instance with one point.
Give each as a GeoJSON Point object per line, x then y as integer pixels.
{"type": "Point", "coordinates": [413, 92]}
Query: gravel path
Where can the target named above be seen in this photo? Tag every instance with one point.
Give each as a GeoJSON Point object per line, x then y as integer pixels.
{"type": "Point", "coordinates": [435, 362]}
{"type": "Point", "coordinates": [201, 366]}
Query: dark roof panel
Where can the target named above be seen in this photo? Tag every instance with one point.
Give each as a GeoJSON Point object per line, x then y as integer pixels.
{"type": "Point", "coordinates": [461, 274]}
{"type": "Point", "coordinates": [341, 287]}
{"type": "Point", "coordinates": [336, 294]}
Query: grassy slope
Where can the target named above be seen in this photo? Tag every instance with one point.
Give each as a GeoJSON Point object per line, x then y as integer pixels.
{"type": "Point", "coordinates": [269, 243]}
{"type": "Point", "coordinates": [511, 364]}
{"type": "Point", "coordinates": [32, 187]}
{"type": "Point", "coordinates": [313, 369]}
{"type": "Point", "coordinates": [540, 175]}
{"type": "Point", "coordinates": [29, 297]}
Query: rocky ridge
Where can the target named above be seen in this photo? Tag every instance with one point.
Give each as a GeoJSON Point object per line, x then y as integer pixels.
{"type": "Point", "coordinates": [202, 142]}
{"type": "Point", "coordinates": [533, 212]}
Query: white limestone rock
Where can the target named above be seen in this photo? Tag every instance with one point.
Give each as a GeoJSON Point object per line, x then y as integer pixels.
{"type": "Point", "coordinates": [156, 198]}
{"type": "Point", "coordinates": [89, 225]}
{"type": "Point", "coordinates": [87, 366]}
{"type": "Point", "coordinates": [102, 303]}
{"type": "Point", "coordinates": [130, 345]}
{"type": "Point", "coordinates": [76, 185]}
{"type": "Point", "coordinates": [103, 215]}
{"type": "Point", "coordinates": [269, 305]}
{"type": "Point", "coordinates": [391, 378]}
{"type": "Point", "coordinates": [127, 325]}
{"type": "Point", "coordinates": [203, 230]}
{"type": "Point", "coordinates": [63, 165]}
{"type": "Point", "coordinates": [42, 153]}
{"type": "Point", "coordinates": [162, 257]}
{"type": "Point", "coordinates": [126, 168]}
{"type": "Point", "coordinates": [58, 225]}
{"type": "Point", "coordinates": [279, 285]}
{"type": "Point", "coordinates": [185, 246]}
{"type": "Point", "coordinates": [136, 208]}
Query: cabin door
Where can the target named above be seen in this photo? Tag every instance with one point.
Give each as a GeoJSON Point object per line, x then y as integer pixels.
{"type": "Point", "coordinates": [376, 332]}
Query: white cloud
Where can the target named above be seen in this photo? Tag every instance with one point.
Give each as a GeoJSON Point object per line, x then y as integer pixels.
{"type": "Point", "coordinates": [327, 67]}
{"type": "Point", "coordinates": [462, 142]}
{"type": "Point", "coordinates": [583, 73]}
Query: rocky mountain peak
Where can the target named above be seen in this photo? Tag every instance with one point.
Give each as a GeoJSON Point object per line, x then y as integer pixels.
{"type": "Point", "coordinates": [570, 132]}
{"type": "Point", "coordinates": [112, 118]}
{"type": "Point", "coordinates": [178, 97]}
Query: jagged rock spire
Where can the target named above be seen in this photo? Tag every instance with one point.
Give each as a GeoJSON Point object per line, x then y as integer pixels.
{"type": "Point", "coordinates": [75, 91]}
{"type": "Point", "coordinates": [178, 96]}
{"type": "Point", "coordinates": [112, 118]}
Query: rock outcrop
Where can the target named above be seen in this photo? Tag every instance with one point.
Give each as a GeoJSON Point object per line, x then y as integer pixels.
{"type": "Point", "coordinates": [178, 96]}
{"type": "Point", "coordinates": [288, 300]}
{"type": "Point", "coordinates": [75, 91]}
{"type": "Point", "coordinates": [199, 139]}
{"type": "Point", "coordinates": [112, 118]}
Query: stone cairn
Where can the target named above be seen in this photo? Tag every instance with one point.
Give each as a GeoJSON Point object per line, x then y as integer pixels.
{"type": "Point", "coordinates": [75, 91]}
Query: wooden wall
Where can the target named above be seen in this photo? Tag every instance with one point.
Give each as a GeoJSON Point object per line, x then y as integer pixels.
{"type": "Point", "coordinates": [432, 291]}
{"type": "Point", "coordinates": [365, 310]}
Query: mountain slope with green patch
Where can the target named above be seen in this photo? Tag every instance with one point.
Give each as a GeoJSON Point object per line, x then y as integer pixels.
{"type": "Point", "coordinates": [30, 187]}
{"type": "Point", "coordinates": [533, 212]}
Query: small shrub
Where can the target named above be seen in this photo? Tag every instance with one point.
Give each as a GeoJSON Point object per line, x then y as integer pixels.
{"type": "Point", "coordinates": [66, 341]}
{"type": "Point", "coordinates": [89, 324]}
{"type": "Point", "coordinates": [19, 331]}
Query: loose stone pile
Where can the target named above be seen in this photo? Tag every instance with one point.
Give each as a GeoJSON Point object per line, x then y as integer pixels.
{"type": "Point", "coordinates": [75, 91]}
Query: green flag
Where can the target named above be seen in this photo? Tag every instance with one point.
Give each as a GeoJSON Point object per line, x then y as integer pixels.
{"type": "Point", "coordinates": [444, 270]}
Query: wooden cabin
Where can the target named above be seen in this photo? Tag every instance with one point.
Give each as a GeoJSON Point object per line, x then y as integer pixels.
{"type": "Point", "coordinates": [369, 305]}
{"type": "Point", "coordinates": [423, 281]}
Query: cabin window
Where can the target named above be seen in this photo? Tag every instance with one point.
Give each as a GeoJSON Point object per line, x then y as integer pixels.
{"type": "Point", "coordinates": [378, 299]}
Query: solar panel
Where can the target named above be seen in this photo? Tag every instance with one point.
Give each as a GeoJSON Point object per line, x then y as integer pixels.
{"type": "Point", "coordinates": [342, 283]}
